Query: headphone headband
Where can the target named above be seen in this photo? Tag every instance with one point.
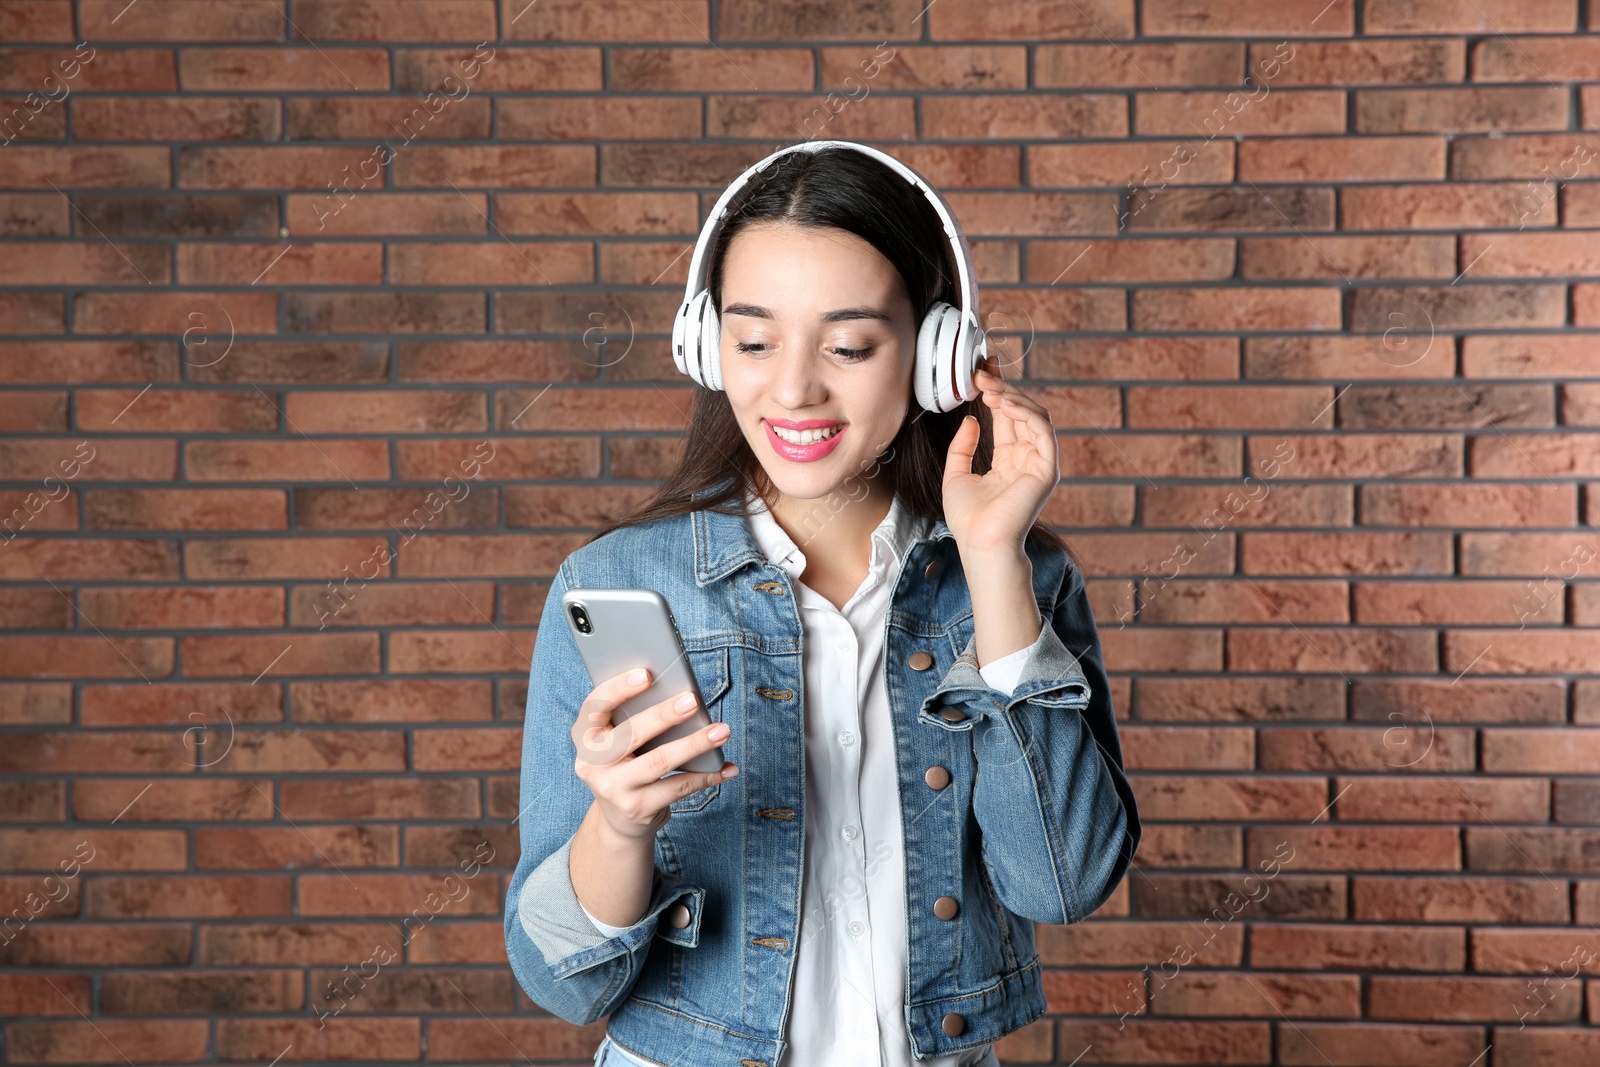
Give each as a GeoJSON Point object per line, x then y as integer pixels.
{"type": "Point", "coordinates": [699, 268]}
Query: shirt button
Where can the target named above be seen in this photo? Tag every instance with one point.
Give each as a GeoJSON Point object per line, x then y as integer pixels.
{"type": "Point", "coordinates": [848, 833]}
{"type": "Point", "coordinates": [842, 646]}
{"type": "Point", "coordinates": [856, 929]}
{"type": "Point", "coordinates": [846, 738]}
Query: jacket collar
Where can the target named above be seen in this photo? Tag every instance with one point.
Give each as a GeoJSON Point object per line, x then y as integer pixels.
{"type": "Point", "coordinates": [724, 543]}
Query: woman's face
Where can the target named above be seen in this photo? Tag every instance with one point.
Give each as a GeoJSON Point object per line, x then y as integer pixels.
{"type": "Point", "coordinates": [816, 330]}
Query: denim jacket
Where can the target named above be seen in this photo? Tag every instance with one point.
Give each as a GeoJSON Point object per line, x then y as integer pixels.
{"type": "Point", "coordinates": [1036, 824]}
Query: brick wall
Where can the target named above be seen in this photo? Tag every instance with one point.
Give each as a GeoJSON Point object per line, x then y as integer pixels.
{"type": "Point", "coordinates": [332, 325]}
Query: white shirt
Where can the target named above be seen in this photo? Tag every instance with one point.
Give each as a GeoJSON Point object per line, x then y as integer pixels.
{"type": "Point", "coordinates": [851, 955]}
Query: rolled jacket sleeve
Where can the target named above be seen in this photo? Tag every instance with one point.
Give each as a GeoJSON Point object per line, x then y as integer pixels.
{"type": "Point", "coordinates": [566, 964]}
{"type": "Point", "coordinates": [1003, 674]}
{"type": "Point", "coordinates": [1058, 817]}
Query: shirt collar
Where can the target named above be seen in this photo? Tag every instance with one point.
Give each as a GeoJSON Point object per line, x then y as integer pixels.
{"type": "Point", "coordinates": [891, 539]}
{"type": "Point", "coordinates": [724, 543]}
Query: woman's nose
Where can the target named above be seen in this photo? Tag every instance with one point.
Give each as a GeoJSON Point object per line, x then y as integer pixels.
{"type": "Point", "coordinates": [796, 384]}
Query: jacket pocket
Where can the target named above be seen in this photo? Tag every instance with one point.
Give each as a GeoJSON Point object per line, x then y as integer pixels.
{"type": "Point", "coordinates": [710, 666]}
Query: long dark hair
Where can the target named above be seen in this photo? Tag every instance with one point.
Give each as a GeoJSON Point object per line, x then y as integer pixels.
{"type": "Point", "coordinates": [846, 190]}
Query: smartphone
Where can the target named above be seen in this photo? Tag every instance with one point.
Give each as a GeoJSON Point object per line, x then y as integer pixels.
{"type": "Point", "coordinates": [618, 630]}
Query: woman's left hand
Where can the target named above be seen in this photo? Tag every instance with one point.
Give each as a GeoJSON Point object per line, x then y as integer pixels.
{"type": "Point", "coordinates": [992, 512]}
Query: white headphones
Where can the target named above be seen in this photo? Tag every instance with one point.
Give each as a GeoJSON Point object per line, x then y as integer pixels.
{"type": "Point", "coordinates": [950, 343]}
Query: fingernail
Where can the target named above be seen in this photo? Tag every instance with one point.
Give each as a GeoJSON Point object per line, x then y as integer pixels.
{"type": "Point", "coordinates": [718, 732]}
{"type": "Point", "coordinates": [685, 702]}
{"type": "Point", "coordinates": [729, 772]}
{"type": "Point", "coordinates": [637, 676]}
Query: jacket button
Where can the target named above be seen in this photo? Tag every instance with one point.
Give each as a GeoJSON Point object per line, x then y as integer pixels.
{"type": "Point", "coordinates": [954, 1024]}
{"type": "Point", "coordinates": [936, 777]}
{"type": "Point", "coordinates": [920, 661]}
{"type": "Point", "coordinates": [678, 915]}
{"type": "Point", "coordinates": [952, 715]}
{"type": "Point", "coordinates": [932, 569]}
{"type": "Point", "coordinates": [946, 908]}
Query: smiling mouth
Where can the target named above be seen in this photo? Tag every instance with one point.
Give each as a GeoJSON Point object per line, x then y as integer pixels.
{"type": "Point", "coordinates": [806, 437]}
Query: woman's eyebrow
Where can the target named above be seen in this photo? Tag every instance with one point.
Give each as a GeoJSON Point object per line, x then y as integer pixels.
{"type": "Point", "coordinates": [841, 315]}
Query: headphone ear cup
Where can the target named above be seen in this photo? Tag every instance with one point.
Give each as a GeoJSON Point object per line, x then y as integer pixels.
{"type": "Point", "coordinates": [971, 348]}
{"type": "Point", "coordinates": [937, 339]}
{"type": "Point", "coordinates": [686, 334]}
{"type": "Point", "coordinates": [710, 346]}
{"type": "Point", "coordinates": [922, 376]}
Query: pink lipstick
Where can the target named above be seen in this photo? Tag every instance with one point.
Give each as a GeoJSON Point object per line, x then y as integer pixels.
{"type": "Point", "coordinates": [803, 453]}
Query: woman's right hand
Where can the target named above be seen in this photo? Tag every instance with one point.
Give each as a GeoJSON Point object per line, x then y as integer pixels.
{"type": "Point", "coordinates": [626, 784]}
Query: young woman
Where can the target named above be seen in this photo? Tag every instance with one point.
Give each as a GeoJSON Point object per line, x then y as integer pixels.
{"type": "Point", "coordinates": [900, 665]}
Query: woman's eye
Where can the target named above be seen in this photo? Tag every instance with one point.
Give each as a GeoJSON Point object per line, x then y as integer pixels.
{"type": "Point", "coordinates": [742, 347]}
{"type": "Point", "coordinates": [851, 355]}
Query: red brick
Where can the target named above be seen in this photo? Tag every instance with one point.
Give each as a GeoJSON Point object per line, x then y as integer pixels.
{"type": "Point", "coordinates": [216, 607]}
{"type": "Point", "coordinates": [379, 798]}
{"type": "Point", "coordinates": [257, 751]}
{"type": "Point", "coordinates": [345, 1038]}
{"type": "Point", "coordinates": [203, 705]}
{"type": "Point", "coordinates": [390, 20]}
{"type": "Point", "coordinates": [107, 1040]}
{"type": "Point", "coordinates": [175, 118]}
{"type": "Point", "coordinates": [388, 214]}
{"type": "Point", "coordinates": [1277, 308]}
{"type": "Point", "coordinates": [418, 898]}
{"type": "Point", "coordinates": [284, 655]}
{"type": "Point", "coordinates": [36, 703]}
{"type": "Point", "coordinates": [297, 557]}
{"type": "Point", "coordinates": [700, 69]}
{"type": "Point", "coordinates": [88, 656]}
{"type": "Point", "coordinates": [1244, 600]}
{"type": "Point", "coordinates": [243, 20]}
{"type": "Point", "coordinates": [1256, 18]}
{"type": "Point", "coordinates": [1031, 19]}
{"type": "Point", "coordinates": [1133, 944]}
{"type": "Point", "coordinates": [185, 509]}
{"type": "Point", "coordinates": [507, 555]}
{"type": "Point", "coordinates": [295, 944]}
{"type": "Point", "coordinates": [169, 800]}
{"type": "Point", "coordinates": [1414, 1045]}
{"type": "Point", "coordinates": [202, 993]}
{"type": "Point", "coordinates": [1494, 652]}
{"type": "Point", "coordinates": [472, 748]}
{"type": "Point", "coordinates": [1229, 798]}
{"type": "Point", "coordinates": [100, 945]}
{"type": "Point", "coordinates": [1344, 946]}
{"type": "Point", "coordinates": [1187, 748]}
{"type": "Point", "coordinates": [1174, 649]}
{"type": "Point", "coordinates": [1459, 700]}
{"type": "Point", "coordinates": [1406, 746]}
{"type": "Point", "coordinates": [1432, 604]}
{"type": "Point", "coordinates": [289, 848]}
{"type": "Point", "coordinates": [1438, 799]}
{"type": "Point", "coordinates": [1456, 506]}
{"type": "Point", "coordinates": [1332, 650]}
{"type": "Point", "coordinates": [1459, 899]}
{"type": "Point", "coordinates": [299, 264]}
{"type": "Point", "coordinates": [1236, 699]}
{"type": "Point", "coordinates": [478, 264]}
{"type": "Point", "coordinates": [1359, 159]}
{"type": "Point", "coordinates": [300, 461]}
{"type": "Point", "coordinates": [391, 604]}
{"type": "Point", "coordinates": [1407, 350]}
{"type": "Point", "coordinates": [496, 166]}
{"type": "Point", "coordinates": [1519, 950]}
{"type": "Point", "coordinates": [472, 652]}
{"type": "Point", "coordinates": [1253, 994]}
{"type": "Point", "coordinates": [1541, 751]}
{"type": "Point", "coordinates": [32, 801]}
{"type": "Point", "coordinates": [1462, 109]}
{"type": "Point", "coordinates": [189, 897]}
{"type": "Point", "coordinates": [1498, 58]}
{"type": "Point", "coordinates": [418, 700]}
{"type": "Point", "coordinates": [1267, 552]}
{"type": "Point", "coordinates": [1444, 16]}
{"type": "Point", "coordinates": [93, 848]}
{"type": "Point", "coordinates": [53, 994]}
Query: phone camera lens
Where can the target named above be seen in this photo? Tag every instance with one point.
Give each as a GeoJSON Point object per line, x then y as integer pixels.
{"type": "Point", "coordinates": [580, 619]}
